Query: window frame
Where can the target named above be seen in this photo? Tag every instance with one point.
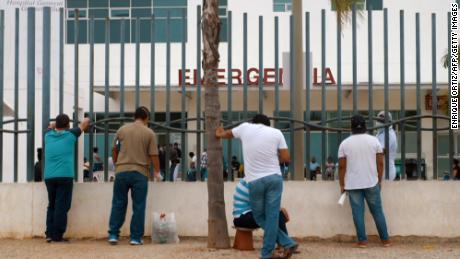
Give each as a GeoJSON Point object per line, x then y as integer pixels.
{"type": "Point", "coordinates": [119, 9]}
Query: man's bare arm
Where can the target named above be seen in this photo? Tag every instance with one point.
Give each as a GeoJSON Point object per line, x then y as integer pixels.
{"type": "Point", "coordinates": [342, 172]}
{"type": "Point", "coordinates": [85, 124]}
{"type": "Point", "coordinates": [284, 156]}
{"type": "Point", "coordinates": [222, 133]}
{"type": "Point", "coordinates": [115, 154]}
{"type": "Point", "coordinates": [379, 159]}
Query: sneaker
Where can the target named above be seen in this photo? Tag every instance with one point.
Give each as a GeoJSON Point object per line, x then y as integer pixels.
{"type": "Point", "coordinates": [361, 244]}
{"type": "Point", "coordinates": [113, 239]}
{"type": "Point", "coordinates": [386, 243]}
{"type": "Point", "coordinates": [135, 242]}
{"type": "Point", "coordinates": [48, 239]}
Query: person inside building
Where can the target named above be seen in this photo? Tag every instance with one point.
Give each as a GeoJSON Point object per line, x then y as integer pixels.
{"type": "Point", "coordinates": [204, 165]}
{"type": "Point", "coordinates": [191, 172]}
{"type": "Point", "coordinates": [162, 157]}
{"type": "Point", "coordinates": [38, 167]}
{"type": "Point", "coordinates": [330, 168]}
{"type": "Point", "coordinates": [284, 167]}
{"type": "Point", "coordinates": [134, 150]}
{"type": "Point", "coordinates": [59, 173]}
{"type": "Point", "coordinates": [392, 140]}
{"type": "Point", "coordinates": [174, 161]}
{"type": "Point", "coordinates": [235, 166]}
{"type": "Point", "coordinates": [86, 174]}
{"type": "Point", "coordinates": [263, 149]}
{"type": "Point", "coordinates": [98, 165]}
{"type": "Point", "coordinates": [177, 169]}
{"type": "Point", "coordinates": [360, 175]}
{"type": "Point", "coordinates": [456, 170]}
{"type": "Point", "coordinates": [314, 168]}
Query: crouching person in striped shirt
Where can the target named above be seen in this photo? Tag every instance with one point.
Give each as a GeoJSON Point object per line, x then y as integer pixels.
{"type": "Point", "coordinates": [242, 213]}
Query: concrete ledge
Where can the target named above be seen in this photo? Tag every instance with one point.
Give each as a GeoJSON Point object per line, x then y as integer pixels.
{"type": "Point", "coordinates": [419, 208]}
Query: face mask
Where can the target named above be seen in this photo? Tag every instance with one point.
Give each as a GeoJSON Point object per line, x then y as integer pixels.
{"type": "Point", "coordinates": [378, 124]}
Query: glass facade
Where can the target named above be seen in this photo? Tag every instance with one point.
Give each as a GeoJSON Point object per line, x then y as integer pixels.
{"type": "Point", "coordinates": [130, 11]}
{"type": "Point", "coordinates": [282, 5]}
{"type": "Point", "coordinates": [443, 151]}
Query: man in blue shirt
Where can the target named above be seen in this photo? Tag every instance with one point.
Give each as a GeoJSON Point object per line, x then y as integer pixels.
{"type": "Point", "coordinates": [314, 168]}
{"type": "Point", "coordinates": [59, 173]}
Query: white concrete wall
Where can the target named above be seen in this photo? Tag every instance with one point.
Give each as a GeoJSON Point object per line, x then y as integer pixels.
{"type": "Point", "coordinates": [412, 209]}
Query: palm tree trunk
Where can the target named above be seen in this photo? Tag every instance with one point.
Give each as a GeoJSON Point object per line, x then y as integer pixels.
{"type": "Point", "coordinates": [217, 222]}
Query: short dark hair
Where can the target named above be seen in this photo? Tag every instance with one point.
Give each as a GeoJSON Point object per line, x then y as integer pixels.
{"type": "Point", "coordinates": [95, 149]}
{"type": "Point", "coordinates": [142, 113]}
{"type": "Point", "coordinates": [62, 121]}
{"type": "Point", "coordinates": [191, 154]}
{"type": "Point", "coordinates": [455, 161]}
{"type": "Point", "coordinates": [358, 124]}
{"type": "Point", "coordinates": [261, 119]}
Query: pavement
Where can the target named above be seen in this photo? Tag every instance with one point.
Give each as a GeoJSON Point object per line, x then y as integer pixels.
{"type": "Point", "coordinates": [195, 248]}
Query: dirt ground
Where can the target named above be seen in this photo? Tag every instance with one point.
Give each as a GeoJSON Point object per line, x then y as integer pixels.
{"type": "Point", "coordinates": [196, 248]}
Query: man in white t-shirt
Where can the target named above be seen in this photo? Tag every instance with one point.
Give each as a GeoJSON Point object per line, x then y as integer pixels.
{"type": "Point", "coordinates": [392, 143]}
{"type": "Point", "coordinates": [263, 149]}
{"type": "Point", "coordinates": [360, 174]}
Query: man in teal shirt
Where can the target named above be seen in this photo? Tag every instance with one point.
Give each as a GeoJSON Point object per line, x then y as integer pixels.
{"type": "Point", "coordinates": [59, 173]}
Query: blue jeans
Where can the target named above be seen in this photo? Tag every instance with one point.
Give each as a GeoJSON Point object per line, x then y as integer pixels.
{"type": "Point", "coordinates": [125, 181]}
{"type": "Point", "coordinates": [374, 202]}
{"type": "Point", "coordinates": [265, 199]}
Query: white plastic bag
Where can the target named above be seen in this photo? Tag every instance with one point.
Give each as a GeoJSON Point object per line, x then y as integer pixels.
{"type": "Point", "coordinates": [164, 229]}
{"type": "Point", "coordinates": [342, 198]}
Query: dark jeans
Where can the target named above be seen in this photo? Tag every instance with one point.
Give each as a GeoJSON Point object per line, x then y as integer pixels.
{"type": "Point", "coordinates": [191, 175]}
{"type": "Point", "coordinates": [137, 183]}
{"type": "Point", "coordinates": [247, 221]}
{"type": "Point", "coordinates": [374, 202]}
{"type": "Point", "coordinates": [59, 201]}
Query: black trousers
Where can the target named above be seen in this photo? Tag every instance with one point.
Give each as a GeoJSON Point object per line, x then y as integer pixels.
{"type": "Point", "coordinates": [59, 201]}
{"type": "Point", "coordinates": [247, 221]}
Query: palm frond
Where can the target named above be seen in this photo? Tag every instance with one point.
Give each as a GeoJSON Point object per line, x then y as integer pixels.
{"type": "Point", "coordinates": [344, 9]}
{"type": "Point", "coordinates": [445, 60]}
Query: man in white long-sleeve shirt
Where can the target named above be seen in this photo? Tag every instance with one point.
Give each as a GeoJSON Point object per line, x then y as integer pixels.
{"type": "Point", "coordinates": [392, 141]}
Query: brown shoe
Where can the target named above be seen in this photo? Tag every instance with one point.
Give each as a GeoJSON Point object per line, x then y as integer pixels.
{"type": "Point", "coordinates": [360, 244]}
{"type": "Point", "coordinates": [294, 249]}
{"type": "Point", "coordinates": [386, 243]}
{"type": "Point", "coordinates": [283, 254]}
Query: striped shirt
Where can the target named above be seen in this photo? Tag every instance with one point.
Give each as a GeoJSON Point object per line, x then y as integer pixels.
{"type": "Point", "coordinates": [241, 199]}
{"type": "Point", "coordinates": [204, 160]}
